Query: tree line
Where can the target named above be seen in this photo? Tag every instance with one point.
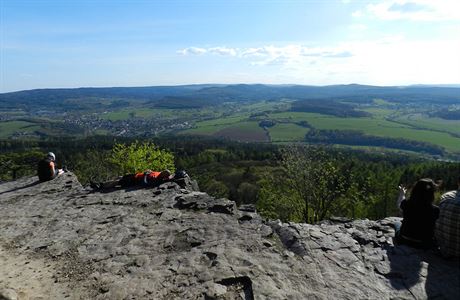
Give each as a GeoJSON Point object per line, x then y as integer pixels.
{"type": "Point", "coordinates": [357, 138]}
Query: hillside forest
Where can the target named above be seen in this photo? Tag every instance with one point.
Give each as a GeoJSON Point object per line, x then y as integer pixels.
{"type": "Point", "coordinates": [295, 182]}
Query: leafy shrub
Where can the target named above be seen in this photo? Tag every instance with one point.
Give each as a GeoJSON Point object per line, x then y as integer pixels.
{"type": "Point", "coordinates": [137, 157]}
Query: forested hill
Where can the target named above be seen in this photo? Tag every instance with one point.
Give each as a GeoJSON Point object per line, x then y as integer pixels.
{"type": "Point", "coordinates": [211, 94]}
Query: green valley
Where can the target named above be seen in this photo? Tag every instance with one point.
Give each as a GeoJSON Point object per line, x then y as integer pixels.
{"type": "Point", "coordinates": [408, 119]}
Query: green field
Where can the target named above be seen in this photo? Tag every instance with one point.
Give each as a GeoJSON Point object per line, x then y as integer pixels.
{"type": "Point", "coordinates": [13, 113]}
{"type": "Point", "coordinates": [375, 126]}
{"type": "Point", "coordinates": [246, 125]}
{"type": "Point", "coordinates": [378, 112]}
{"type": "Point", "coordinates": [249, 131]}
{"type": "Point", "coordinates": [210, 127]}
{"type": "Point", "coordinates": [287, 132]}
{"type": "Point", "coordinates": [205, 130]}
{"type": "Point", "coordinates": [436, 124]}
{"type": "Point", "coordinates": [233, 128]}
{"type": "Point", "coordinates": [10, 127]}
{"type": "Point", "coordinates": [222, 121]}
{"type": "Point", "coordinates": [419, 120]}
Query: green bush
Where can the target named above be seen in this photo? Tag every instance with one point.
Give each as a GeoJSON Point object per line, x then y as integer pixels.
{"type": "Point", "coordinates": [137, 157]}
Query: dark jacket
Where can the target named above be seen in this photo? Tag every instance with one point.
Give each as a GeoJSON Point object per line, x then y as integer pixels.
{"type": "Point", "coordinates": [418, 223]}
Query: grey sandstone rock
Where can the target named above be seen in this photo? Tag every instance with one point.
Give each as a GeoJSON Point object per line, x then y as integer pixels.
{"type": "Point", "coordinates": [8, 294]}
{"type": "Point", "coordinates": [174, 242]}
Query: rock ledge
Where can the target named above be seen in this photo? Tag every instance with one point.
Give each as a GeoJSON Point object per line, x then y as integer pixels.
{"type": "Point", "coordinates": [59, 240]}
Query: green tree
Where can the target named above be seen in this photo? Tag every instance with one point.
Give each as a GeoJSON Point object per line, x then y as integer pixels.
{"type": "Point", "coordinates": [14, 165]}
{"type": "Point", "coordinates": [315, 177]}
{"type": "Point", "coordinates": [216, 188]}
{"type": "Point", "coordinates": [247, 192]}
{"type": "Point", "coordinates": [93, 165]}
{"type": "Point", "coordinates": [275, 199]}
{"type": "Point", "coordinates": [354, 199]}
{"type": "Point", "coordinates": [310, 177]}
{"type": "Point", "coordinates": [137, 157]}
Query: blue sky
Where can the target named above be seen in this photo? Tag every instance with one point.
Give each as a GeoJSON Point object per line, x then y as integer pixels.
{"type": "Point", "coordinates": [71, 43]}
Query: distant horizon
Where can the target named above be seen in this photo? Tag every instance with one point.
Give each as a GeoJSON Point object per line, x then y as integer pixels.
{"type": "Point", "coordinates": [446, 85]}
{"type": "Point", "coordinates": [100, 43]}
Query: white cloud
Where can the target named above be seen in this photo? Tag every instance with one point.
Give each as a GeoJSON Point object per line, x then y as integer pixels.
{"type": "Point", "coordinates": [414, 10]}
{"type": "Point", "coordinates": [272, 55]}
{"type": "Point", "coordinates": [391, 60]}
{"type": "Point", "coordinates": [398, 61]}
{"type": "Point", "coordinates": [225, 51]}
{"type": "Point", "coordinates": [192, 51]}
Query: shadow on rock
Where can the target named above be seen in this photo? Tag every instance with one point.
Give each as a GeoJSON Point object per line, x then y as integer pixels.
{"type": "Point", "coordinates": [442, 283]}
{"type": "Point", "coordinates": [22, 187]}
{"type": "Point", "coordinates": [423, 272]}
{"type": "Point", "coordinates": [118, 188]}
{"type": "Point", "coordinates": [405, 267]}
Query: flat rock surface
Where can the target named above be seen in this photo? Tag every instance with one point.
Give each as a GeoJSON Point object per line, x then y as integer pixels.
{"type": "Point", "coordinates": [61, 241]}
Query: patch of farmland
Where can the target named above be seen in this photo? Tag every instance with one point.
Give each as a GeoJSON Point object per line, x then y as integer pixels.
{"type": "Point", "coordinates": [287, 132]}
{"type": "Point", "coordinates": [222, 121]}
{"type": "Point", "coordinates": [244, 132]}
{"type": "Point", "coordinates": [10, 127]}
{"type": "Point", "coordinates": [374, 126]}
{"type": "Point", "coordinates": [210, 127]}
{"type": "Point", "coordinates": [452, 126]}
{"type": "Point", "coordinates": [378, 112]}
{"type": "Point", "coordinates": [204, 130]}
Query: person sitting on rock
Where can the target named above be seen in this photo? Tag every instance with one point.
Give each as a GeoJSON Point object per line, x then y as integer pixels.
{"type": "Point", "coordinates": [146, 178]}
{"type": "Point", "coordinates": [419, 215]}
{"type": "Point", "coordinates": [447, 230]}
{"type": "Point", "coordinates": [47, 169]}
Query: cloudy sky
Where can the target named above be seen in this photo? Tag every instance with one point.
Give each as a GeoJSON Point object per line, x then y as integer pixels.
{"type": "Point", "coordinates": [75, 43]}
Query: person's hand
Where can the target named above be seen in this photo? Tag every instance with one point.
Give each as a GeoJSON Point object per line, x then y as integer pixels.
{"type": "Point", "coordinates": [402, 190]}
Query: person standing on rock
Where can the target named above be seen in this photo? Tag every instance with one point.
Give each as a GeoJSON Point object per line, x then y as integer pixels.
{"type": "Point", "coordinates": [448, 225]}
{"type": "Point", "coordinates": [47, 169]}
{"type": "Point", "coordinates": [419, 215]}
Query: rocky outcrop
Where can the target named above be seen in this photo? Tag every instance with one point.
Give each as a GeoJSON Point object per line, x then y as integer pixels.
{"type": "Point", "coordinates": [59, 240]}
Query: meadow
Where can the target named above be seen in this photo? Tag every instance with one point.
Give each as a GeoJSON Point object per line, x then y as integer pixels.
{"type": "Point", "coordinates": [435, 124]}
{"type": "Point", "coordinates": [9, 128]}
{"type": "Point", "coordinates": [287, 132]}
{"type": "Point", "coordinates": [384, 122]}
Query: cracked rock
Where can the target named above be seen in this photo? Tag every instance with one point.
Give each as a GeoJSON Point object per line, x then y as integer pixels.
{"type": "Point", "coordinates": [61, 241]}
